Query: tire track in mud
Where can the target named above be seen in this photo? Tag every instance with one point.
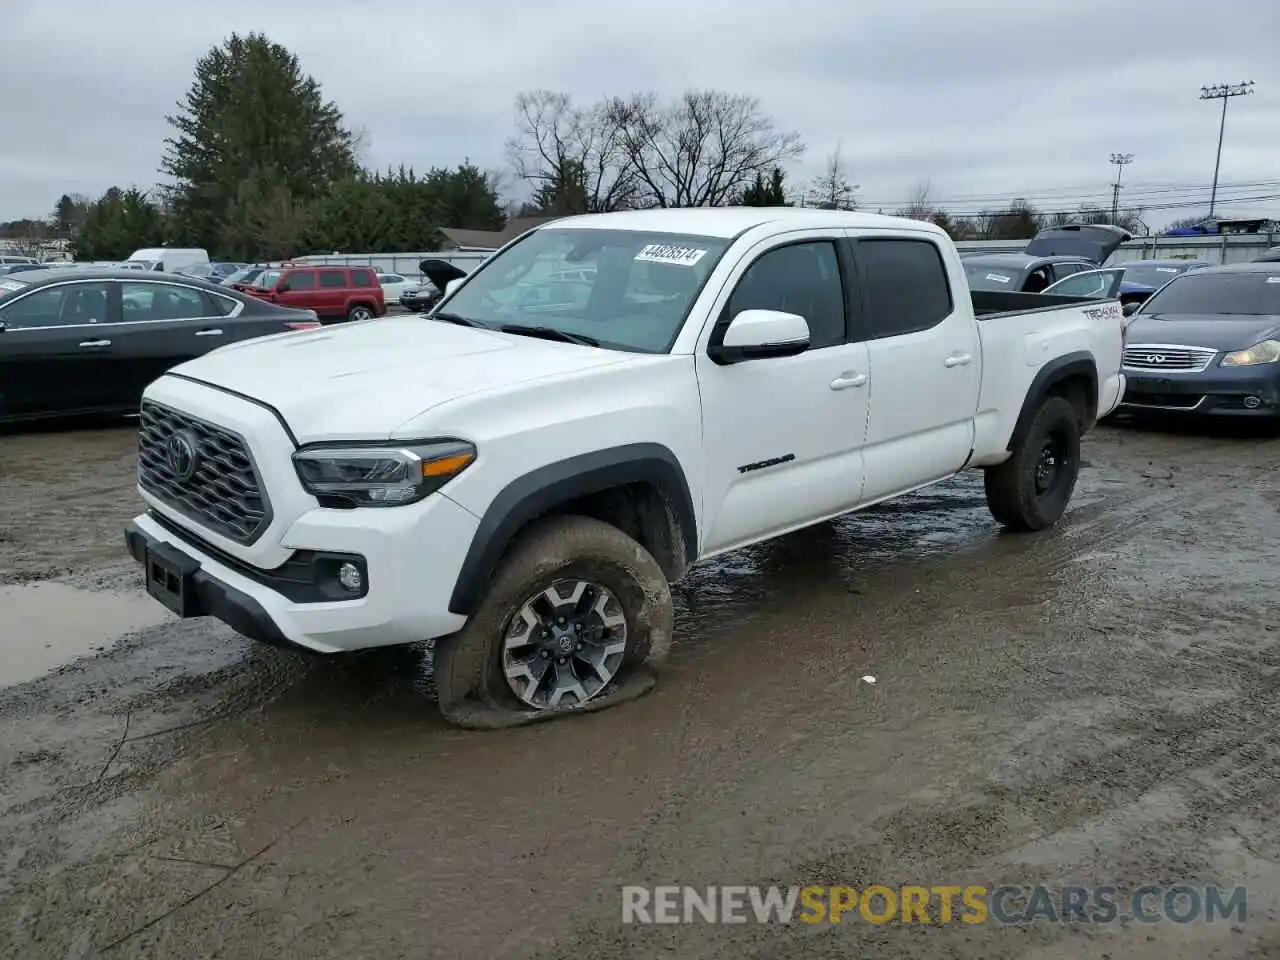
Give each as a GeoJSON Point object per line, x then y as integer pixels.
{"type": "Point", "coordinates": [1199, 753]}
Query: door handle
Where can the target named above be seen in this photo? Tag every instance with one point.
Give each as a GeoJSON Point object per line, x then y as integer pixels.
{"type": "Point", "coordinates": [95, 343]}
{"type": "Point", "coordinates": [958, 360]}
{"type": "Point", "coordinates": [848, 379]}
{"type": "Point", "coordinates": [209, 333]}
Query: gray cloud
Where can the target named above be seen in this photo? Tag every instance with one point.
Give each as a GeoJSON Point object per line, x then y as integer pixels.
{"type": "Point", "coordinates": [982, 101]}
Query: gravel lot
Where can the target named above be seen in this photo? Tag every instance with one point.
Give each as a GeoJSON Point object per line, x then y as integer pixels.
{"type": "Point", "coordinates": [1095, 705]}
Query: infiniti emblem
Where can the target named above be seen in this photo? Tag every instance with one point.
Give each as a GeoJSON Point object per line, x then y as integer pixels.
{"type": "Point", "coordinates": [182, 453]}
{"type": "Point", "coordinates": [1155, 358]}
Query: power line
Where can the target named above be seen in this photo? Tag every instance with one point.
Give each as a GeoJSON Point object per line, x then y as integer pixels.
{"type": "Point", "coordinates": [1088, 192]}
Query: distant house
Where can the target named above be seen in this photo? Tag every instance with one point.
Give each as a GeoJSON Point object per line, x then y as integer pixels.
{"type": "Point", "coordinates": [484, 241]}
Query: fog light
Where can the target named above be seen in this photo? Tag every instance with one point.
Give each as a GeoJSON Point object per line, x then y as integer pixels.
{"type": "Point", "coordinates": [350, 577]}
{"type": "Point", "coordinates": [1252, 403]}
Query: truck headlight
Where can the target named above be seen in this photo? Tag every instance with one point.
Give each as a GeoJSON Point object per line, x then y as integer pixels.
{"type": "Point", "coordinates": [1268, 351]}
{"type": "Point", "coordinates": [381, 476]}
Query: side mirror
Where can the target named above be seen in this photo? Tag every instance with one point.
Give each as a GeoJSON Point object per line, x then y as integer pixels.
{"type": "Point", "coordinates": [453, 285]}
{"type": "Point", "coordinates": [1131, 308]}
{"type": "Point", "coordinates": [760, 334]}
{"type": "Point", "coordinates": [3, 327]}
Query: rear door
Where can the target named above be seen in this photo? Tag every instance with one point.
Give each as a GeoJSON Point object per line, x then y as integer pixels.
{"type": "Point", "coordinates": [364, 284]}
{"type": "Point", "coordinates": [162, 325]}
{"type": "Point", "coordinates": [924, 360]}
{"type": "Point", "coordinates": [57, 354]}
{"type": "Point", "coordinates": [331, 294]}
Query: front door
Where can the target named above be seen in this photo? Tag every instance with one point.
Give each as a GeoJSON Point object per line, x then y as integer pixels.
{"type": "Point", "coordinates": [56, 353]}
{"type": "Point", "coordinates": [782, 436]}
{"type": "Point", "coordinates": [162, 325]}
{"type": "Point", "coordinates": [925, 365]}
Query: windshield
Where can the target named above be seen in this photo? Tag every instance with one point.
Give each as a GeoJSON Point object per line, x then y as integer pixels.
{"type": "Point", "coordinates": [9, 284]}
{"type": "Point", "coordinates": [986, 277]}
{"type": "Point", "coordinates": [1151, 275]}
{"type": "Point", "coordinates": [266, 280]}
{"type": "Point", "coordinates": [1226, 294]}
{"type": "Point", "coordinates": [244, 275]}
{"type": "Point", "coordinates": [628, 289]}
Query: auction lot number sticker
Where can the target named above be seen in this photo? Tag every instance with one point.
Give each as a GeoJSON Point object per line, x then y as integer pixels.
{"type": "Point", "coordinates": [667, 253]}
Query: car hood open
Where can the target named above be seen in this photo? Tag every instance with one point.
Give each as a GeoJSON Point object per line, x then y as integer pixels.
{"type": "Point", "coordinates": [440, 272]}
{"type": "Point", "coordinates": [1094, 242]}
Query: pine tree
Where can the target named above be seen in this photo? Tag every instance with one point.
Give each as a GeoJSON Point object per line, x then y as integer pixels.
{"type": "Point", "coordinates": [250, 116]}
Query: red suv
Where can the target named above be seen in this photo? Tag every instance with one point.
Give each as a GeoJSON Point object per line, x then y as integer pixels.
{"type": "Point", "coordinates": [334, 293]}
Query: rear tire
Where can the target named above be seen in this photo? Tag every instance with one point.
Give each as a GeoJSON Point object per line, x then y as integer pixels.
{"type": "Point", "coordinates": [578, 617]}
{"type": "Point", "coordinates": [1030, 491]}
{"type": "Point", "coordinates": [358, 313]}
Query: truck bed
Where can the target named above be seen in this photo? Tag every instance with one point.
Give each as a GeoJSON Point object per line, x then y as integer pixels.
{"type": "Point", "coordinates": [991, 303]}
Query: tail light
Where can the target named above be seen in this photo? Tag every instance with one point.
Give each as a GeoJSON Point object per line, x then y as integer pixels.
{"type": "Point", "coordinates": [302, 324]}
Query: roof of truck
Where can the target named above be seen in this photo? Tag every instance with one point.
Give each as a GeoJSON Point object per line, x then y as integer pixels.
{"type": "Point", "coordinates": [729, 222]}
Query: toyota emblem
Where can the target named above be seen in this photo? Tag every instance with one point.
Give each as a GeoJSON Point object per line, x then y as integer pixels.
{"type": "Point", "coordinates": [182, 451]}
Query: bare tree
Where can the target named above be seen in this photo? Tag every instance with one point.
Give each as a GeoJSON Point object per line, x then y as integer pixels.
{"type": "Point", "coordinates": [918, 205]}
{"type": "Point", "coordinates": [573, 156]}
{"type": "Point", "coordinates": [832, 189]}
{"type": "Point", "coordinates": [700, 151]}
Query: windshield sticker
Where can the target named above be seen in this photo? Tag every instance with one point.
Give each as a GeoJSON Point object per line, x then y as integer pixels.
{"type": "Point", "coordinates": [665, 253]}
{"type": "Point", "coordinates": [1275, 279]}
{"type": "Point", "coordinates": [1166, 269]}
{"type": "Point", "coordinates": [998, 277]}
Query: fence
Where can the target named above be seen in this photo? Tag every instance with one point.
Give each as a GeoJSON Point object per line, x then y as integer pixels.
{"type": "Point", "coordinates": [1229, 248]}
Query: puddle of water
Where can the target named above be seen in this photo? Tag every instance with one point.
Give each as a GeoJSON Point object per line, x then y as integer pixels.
{"type": "Point", "coordinates": [46, 625]}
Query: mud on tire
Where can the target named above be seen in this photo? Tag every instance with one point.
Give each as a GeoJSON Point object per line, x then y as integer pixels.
{"type": "Point", "coordinates": [555, 554]}
{"type": "Point", "coordinates": [1031, 490]}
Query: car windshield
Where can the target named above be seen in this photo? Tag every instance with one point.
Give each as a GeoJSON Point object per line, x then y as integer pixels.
{"type": "Point", "coordinates": [627, 289]}
{"type": "Point", "coordinates": [1153, 275]}
{"type": "Point", "coordinates": [244, 275]}
{"type": "Point", "coordinates": [266, 280]}
{"type": "Point", "coordinates": [985, 277]}
{"type": "Point", "coordinates": [1224, 294]}
{"type": "Point", "coordinates": [10, 284]}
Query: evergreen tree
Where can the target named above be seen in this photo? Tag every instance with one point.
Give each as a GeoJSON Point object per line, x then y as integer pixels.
{"type": "Point", "coordinates": [250, 114]}
{"type": "Point", "coordinates": [118, 223]}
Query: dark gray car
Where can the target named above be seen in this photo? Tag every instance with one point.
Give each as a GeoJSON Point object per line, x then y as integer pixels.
{"type": "Point", "coordinates": [1052, 255]}
{"type": "Point", "coordinates": [89, 341]}
{"type": "Point", "coordinates": [1208, 342]}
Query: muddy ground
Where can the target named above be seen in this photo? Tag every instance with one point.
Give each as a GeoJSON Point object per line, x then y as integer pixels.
{"type": "Point", "coordinates": [1094, 705]}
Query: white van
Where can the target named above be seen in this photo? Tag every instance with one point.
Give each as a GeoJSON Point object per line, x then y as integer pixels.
{"type": "Point", "coordinates": [166, 258]}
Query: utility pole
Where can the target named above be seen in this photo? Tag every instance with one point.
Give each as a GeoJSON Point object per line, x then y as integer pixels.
{"type": "Point", "coordinates": [1223, 92]}
{"type": "Point", "coordinates": [1119, 159]}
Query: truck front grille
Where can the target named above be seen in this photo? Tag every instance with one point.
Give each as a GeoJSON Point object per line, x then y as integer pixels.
{"type": "Point", "coordinates": [1155, 356]}
{"type": "Point", "coordinates": [202, 471]}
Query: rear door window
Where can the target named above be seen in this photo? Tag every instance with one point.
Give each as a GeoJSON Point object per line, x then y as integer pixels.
{"type": "Point", "coordinates": [365, 278]}
{"type": "Point", "coordinates": [332, 279]}
{"type": "Point", "coordinates": [906, 284]}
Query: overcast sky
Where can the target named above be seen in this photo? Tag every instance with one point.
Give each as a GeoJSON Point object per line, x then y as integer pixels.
{"type": "Point", "coordinates": [985, 101]}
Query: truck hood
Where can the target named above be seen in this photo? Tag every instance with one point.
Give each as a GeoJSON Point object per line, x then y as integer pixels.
{"type": "Point", "coordinates": [362, 380]}
{"type": "Point", "coordinates": [1094, 242]}
{"type": "Point", "coordinates": [1202, 330]}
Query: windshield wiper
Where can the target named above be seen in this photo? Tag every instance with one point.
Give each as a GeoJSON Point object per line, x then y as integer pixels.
{"type": "Point", "coordinates": [550, 333]}
{"type": "Point", "coordinates": [456, 318]}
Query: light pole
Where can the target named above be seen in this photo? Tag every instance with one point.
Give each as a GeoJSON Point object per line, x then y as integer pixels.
{"type": "Point", "coordinates": [1223, 92]}
{"type": "Point", "coordinates": [1119, 159]}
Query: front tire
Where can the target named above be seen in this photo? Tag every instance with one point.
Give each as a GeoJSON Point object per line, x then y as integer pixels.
{"type": "Point", "coordinates": [1030, 491]}
{"type": "Point", "coordinates": [577, 617]}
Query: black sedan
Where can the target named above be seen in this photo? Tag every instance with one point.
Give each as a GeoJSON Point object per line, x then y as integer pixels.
{"type": "Point", "coordinates": [1208, 342]}
{"type": "Point", "coordinates": [88, 341]}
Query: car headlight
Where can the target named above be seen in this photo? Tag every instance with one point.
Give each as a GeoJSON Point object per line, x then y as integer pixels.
{"type": "Point", "coordinates": [1268, 351]}
{"type": "Point", "coordinates": [381, 476]}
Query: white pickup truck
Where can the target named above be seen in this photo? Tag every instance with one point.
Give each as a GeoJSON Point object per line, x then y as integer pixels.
{"type": "Point", "coordinates": [604, 402]}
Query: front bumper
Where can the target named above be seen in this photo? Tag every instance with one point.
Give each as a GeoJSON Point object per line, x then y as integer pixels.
{"type": "Point", "coordinates": [411, 557]}
{"type": "Point", "coordinates": [1217, 391]}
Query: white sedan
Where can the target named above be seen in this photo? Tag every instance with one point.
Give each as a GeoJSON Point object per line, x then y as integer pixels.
{"type": "Point", "coordinates": [394, 285]}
